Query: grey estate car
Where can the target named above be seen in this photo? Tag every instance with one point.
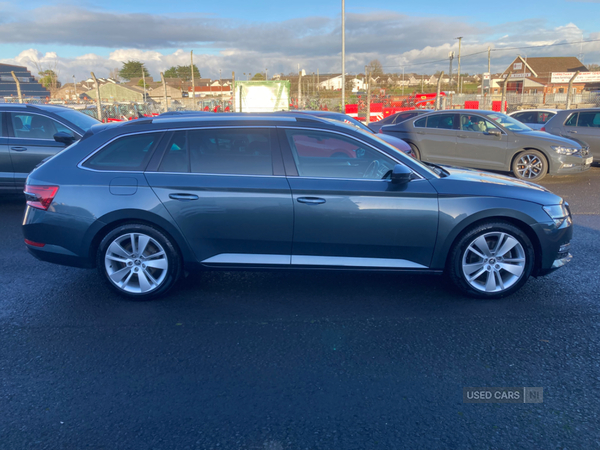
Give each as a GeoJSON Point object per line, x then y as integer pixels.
{"type": "Point", "coordinates": [144, 201]}
{"type": "Point", "coordinates": [491, 141]}
{"type": "Point", "coordinates": [580, 124]}
{"type": "Point", "coordinates": [27, 137]}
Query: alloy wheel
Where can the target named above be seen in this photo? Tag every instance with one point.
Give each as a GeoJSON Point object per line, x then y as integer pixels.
{"type": "Point", "coordinates": [530, 166]}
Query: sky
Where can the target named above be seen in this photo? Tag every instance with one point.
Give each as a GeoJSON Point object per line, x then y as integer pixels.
{"type": "Point", "coordinates": [75, 38]}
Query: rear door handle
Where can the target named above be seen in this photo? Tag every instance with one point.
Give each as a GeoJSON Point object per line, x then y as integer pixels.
{"type": "Point", "coordinates": [183, 197]}
{"type": "Point", "coordinates": [311, 200]}
{"type": "Point", "coordinates": [19, 149]}
{"type": "Point", "coordinates": [573, 131]}
{"type": "Point", "coordinates": [464, 136]}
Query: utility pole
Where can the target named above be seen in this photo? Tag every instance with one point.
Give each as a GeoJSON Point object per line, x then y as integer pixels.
{"type": "Point", "coordinates": [18, 83]}
{"type": "Point", "coordinates": [402, 80]}
{"type": "Point", "coordinates": [299, 87]}
{"type": "Point", "coordinates": [193, 84]}
{"type": "Point", "coordinates": [98, 102]}
{"type": "Point", "coordinates": [437, 97]}
{"type": "Point", "coordinates": [266, 74]}
{"type": "Point", "coordinates": [75, 87]}
{"type": "Point", "coordinates": [233, 91]}
{"type": "Point", "coordinates": [162, 77]}
{"type": "Point", "coordinates": [343, 56]}
{"type": "Point", "coordinates": [450, 57]}
{"type": "Point", "coordinates": [503, 102]}
{"type": "Point", "coordinates": [569, 92]}
{"type": "Point", "coordinates": [318, 86]}
{"type": "Point", "coordinates": [144, 81]}
{"type": "Point", "coordinates": [459, 83]}
{"type": "Point", "coordinates": [368, 119]}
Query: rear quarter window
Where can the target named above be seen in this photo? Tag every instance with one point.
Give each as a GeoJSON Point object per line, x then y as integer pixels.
{"type": "Point", "coordinates": [127, 153]}
{"type": "Point", "coordinates": [420, 123]}
{"type": "Point", "coordinates": [572, 120]}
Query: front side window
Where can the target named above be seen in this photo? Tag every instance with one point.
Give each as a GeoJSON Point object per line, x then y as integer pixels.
{"type": "Point", "coordinates": [35, 126]}
{"type": "Point", "coordinates": [219, 151]}
{"type": "Point", "coordinates": [444, 121]}
{"type": "Point", "coordinates": [589, 119]}
{"type": "Point", "coordinates": [508, 122]}
{"type": "Point", "coordinates": [328, 155]}
{"type": "Point", "coordinates": [476, 124]}
{"type": "Point", "coordinates": [128, 153]}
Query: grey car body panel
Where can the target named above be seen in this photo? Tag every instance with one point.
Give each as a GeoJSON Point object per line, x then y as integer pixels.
{"type": "Point", "coordinates": [589, 135]}
{"type": "Point", "coordinates": [450, 152]}
{"type": "Point", "coordinates": [7, 182]}
{"type": "Point", "coordinates": [414, 225]}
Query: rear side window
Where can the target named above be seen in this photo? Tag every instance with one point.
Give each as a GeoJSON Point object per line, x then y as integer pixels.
{"type": "Point", "coordinates": [444, 121]}
{"type": "Point", "coordinates": [420, 123]}
{"type": "Point", "coordinates": [589, 119]}
{"type": "Point", "coordinates": [219, 151]}
{"type": "Point", "coordinates": [129, 153]}
{"type": "Point", "coordinates": [572, 121]}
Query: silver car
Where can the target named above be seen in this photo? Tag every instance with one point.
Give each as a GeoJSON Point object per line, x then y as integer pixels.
{"type": "Point", "coordinates": [534, 118]}
{"type": "Point", "coordinates": [491, 141]}
{"type": "Point", "coordinates": [580, 124]}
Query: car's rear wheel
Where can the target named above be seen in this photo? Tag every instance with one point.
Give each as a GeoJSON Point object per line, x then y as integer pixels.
{"type": "Point", "coordinates": [491, 260]}
{"type": "Point", "coordinates": [138, 261]}
{"type": "Point", "coordinates": [414, 151]}
{"type": "Point", "coordinates": [530, 165]}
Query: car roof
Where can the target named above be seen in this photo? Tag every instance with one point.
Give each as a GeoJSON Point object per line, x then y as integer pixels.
{"type": "Point", "coordinates": [43, 107]}
{"type": "Point", "coordinates": [536, 110]}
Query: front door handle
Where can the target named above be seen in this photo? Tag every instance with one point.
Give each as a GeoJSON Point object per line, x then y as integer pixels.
{"type": "Point", "coordinates": [311, 200]}
{"type": "Point", "coordinates": [573, 131]}
{"type": "Point", "coordinates": [19, 149]}
{"type": "Point", "coordinates": [183, 197]}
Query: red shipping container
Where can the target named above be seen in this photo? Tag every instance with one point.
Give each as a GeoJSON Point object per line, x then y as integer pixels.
{"type": "Point", "coordinates": [471, 104]}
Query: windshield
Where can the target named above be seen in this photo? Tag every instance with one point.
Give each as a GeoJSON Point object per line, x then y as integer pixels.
{"type": "Point", "coordinates": [81, 120]}
{"type": "Point", "coordinates": [348, 120]}
{"type": "Point", "coordinates": [508, 122]}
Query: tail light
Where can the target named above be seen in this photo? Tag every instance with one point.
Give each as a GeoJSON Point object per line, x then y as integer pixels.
{"type": "Point", "coordinates": [40, 197]}
{"type": "Point", "coordinates": [543, 129]}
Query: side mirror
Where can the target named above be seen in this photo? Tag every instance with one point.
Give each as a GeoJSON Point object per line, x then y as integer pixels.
{"type": "Point", "coordinates": [401, 174]}
{"type": "Point", "coordinates": [64, 137]}
{"type": "Point", "coordinates": [494, 133]}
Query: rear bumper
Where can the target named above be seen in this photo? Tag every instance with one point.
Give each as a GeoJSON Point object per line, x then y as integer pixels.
{"type": "Point", "coordinates": [59, 255]}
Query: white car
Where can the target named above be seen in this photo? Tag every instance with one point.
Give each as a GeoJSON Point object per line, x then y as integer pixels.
{"type": "Point", "coordinates": [534, 118]}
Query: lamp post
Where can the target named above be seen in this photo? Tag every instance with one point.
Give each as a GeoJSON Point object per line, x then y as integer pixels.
{"type": "Point", "coordinates": [75, 87]}
{"type": "Point", "coordinates": [266, 74]}
{"type": "Point", "coordinates": [459, 83]}
{"type": "Point", "coordinates": [343, 56]}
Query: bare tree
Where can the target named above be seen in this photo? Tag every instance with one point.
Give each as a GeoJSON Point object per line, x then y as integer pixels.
{"type": "Point", "coordinates": [49, 76]}
{"type": "Point", "coordinates": [114, 74]}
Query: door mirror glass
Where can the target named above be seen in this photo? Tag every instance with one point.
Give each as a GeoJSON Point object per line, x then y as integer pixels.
{"type": "Point", "coordinates": [401, 174]}
{"type": "Point", "coordinates": [64, 137]}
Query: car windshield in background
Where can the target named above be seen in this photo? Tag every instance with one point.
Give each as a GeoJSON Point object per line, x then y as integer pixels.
{"type": "Point", "coordinates": [508, 122]}
{"type": "Point", "coordinates": [83, 121]}
{"type": "Point", "coordinates": [348, 120]}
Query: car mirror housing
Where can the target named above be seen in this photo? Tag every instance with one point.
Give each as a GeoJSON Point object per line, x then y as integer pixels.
{"type": "Point", "coordinates": [401, 174]}
{"type": "Point", "coordinates": [494, 133]}
{"type": "Point", "coordinates": [64, 137]}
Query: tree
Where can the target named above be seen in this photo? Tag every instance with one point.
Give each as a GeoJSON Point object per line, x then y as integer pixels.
{"type": "Point", "coordinates": [593, 67]}
{"type": "Point", "coordinates": [375, 71]}
{"type": "Point", "coordinates": [258, 76]}
{"type": "Point", "coordinates": [132, 69]}
{"type": "Point", "coordinates": [183, 72]}
{"type": "Point", "coordinates": [114, 74]}
{"type": "Point", "coordinates": [49, 79]}
{"type": "Point", "coordinates": [141, 83]}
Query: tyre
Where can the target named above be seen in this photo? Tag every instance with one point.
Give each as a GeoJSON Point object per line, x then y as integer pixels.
{"type": "Point", "coordinates": [491, 260]}
{"type": "Point", "coordinates": [530, 165]}
{"type": "Point", "coordinates": [138, 261]}
{"type": "Point", "coordinates": [415, 153]}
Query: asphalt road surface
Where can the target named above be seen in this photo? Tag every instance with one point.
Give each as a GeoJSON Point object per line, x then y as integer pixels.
{"type": "Point", "coordinates": [299, 360]}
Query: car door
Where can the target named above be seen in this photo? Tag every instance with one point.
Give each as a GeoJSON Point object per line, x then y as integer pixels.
{"type": "Point", "coordinates": [7, 176]}
{"type": "Point", "coordinates": [31, 141]}
{"type": "Point", "coordinates": [477, 147]}
{"type": "Point", "coordinates": [347, 215]}
{"type": "Point", "coordinates": [437, 140]}
{"type": "Point", "coordinates": [226, 190]}
{"type": "Point", "coordinates": [588, 130]}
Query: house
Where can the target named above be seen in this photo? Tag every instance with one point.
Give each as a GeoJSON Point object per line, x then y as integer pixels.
{"type": "Point", "coordinates": [536, 75]}
{"type": "Point", "coordinates": [118, 93]}
{"type": "Point", "coordinates": [30, 87]}
{"type": "Point", "coordinates": [334, 82]}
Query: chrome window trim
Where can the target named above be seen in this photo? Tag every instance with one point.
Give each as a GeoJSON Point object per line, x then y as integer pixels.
{"type": "Point", "coordinates": [84, 160]}
{"type": "Point", "coordinates": [37, 114]}
{"type": "Point", "coordinates": [359, 140]}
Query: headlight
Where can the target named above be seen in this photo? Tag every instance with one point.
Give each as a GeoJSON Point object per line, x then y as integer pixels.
{"type": "Point", "coordinates": [564, 150]}
{"type": "Point", "coordinates": [558, 213]}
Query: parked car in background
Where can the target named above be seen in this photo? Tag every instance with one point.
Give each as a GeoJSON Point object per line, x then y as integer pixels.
{"type": "Point", "coordinates": [398, 117]}
{"type": "Point", "coordinates": [534, 118]}
{"type": "Point", "coordinates": [344, 118]}
{"type": "Point", "coordinates": [147, 200]}
{"type": "Point", "coordinates": [32, 133]}
{"type": "Point", "coordinates": [491, 141]}
{"type": "Point", "coordinates": [581, 124]}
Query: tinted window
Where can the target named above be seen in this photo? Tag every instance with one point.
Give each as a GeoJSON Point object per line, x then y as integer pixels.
{"type": "Point", "coordinates": [445, 121]}
{"type": "Point", "coordinates": [329, 155]}
{"type": "Point", "coordinates": [404, 116]}
{"type": "Point", "coordinates": [83, 121]}
{"type": "Point", "coordinates": [572, 121]}
{"type": "Point", "coordinates": [125, 153]}
{"type": "Point", "coordinates": [527, 117]}
{"type": "Point", "coordinates": [34, 126]}
{"type": "Point", "coordinates": [421, 122]}
{"type": "Point", "coordinates": [545, 116]}
{"type": "Point", "coordinates": [589, 119]}
{"type": "Point", "coordinates": [219, 151]}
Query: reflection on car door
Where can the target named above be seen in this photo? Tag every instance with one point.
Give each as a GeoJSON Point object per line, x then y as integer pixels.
{"type": "Point", "coordinates": [588, 130]}
{"type": "Point", "coordinates": [7, 182]}
{"type": "Point", "coordinates": [227, 192]}
{"type": "Point", "coordinates": [346, 214]}
{"type": "Point", "coordinates": [477, 148]}
{"type": "Point", "coordinates": [31, 141]}
{"type": "Point", "coordinates": [437, 141]}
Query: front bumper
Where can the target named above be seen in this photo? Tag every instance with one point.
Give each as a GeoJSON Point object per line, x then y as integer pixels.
{"type": "Point", "coordinates": [555, 246]}
{"type": "Point", "coordinates": [569, 165]}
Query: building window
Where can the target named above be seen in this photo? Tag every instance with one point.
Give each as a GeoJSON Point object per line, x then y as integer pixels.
{"type": "Point", "coordinates": [561, 90]}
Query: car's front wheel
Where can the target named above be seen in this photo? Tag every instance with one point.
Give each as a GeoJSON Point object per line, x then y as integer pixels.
{"type": "Point", "coordinates": [530, 165]}
{"type": "Point", "coordinates": [138, 261]}
{"type": "Point", "coordinates": [491, 260]}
